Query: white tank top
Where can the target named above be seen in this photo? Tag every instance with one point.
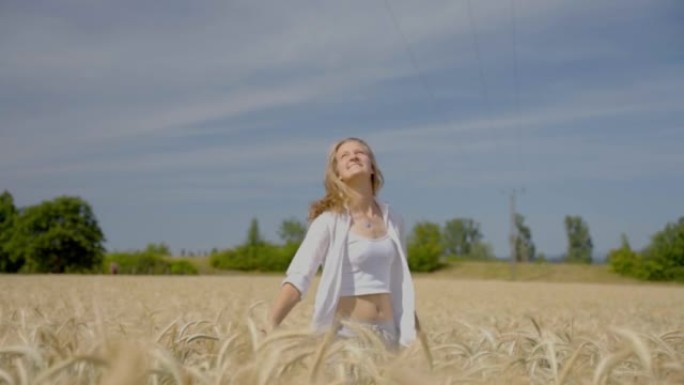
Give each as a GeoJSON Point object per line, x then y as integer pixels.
{"type": "Point", "coordinates": [367, 270]}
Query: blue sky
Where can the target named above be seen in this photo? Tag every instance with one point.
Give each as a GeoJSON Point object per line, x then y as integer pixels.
{"type": "Point", "coordinates": [181, 121]}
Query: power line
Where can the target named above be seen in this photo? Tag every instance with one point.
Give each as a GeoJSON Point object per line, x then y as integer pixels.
{"type": "Point", "coordinates": [514, 235]}
{"type": "Point", "coordinates": [516, 84]}
{"type": "Point", "coordinates": [478, 56]}
{"type": "Point", "coordinates": [488, 107]}
{"type": "Point", "coordinates": [476, 46]}
{"type": "Point", "coordinates": [412, 58]}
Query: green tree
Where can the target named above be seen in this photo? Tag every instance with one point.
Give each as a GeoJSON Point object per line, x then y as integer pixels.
{"type": "Point", "coordinates": [8, 214]}
{"type": "Point", "coordinates": [664, 256]}
{"type": "Point", "coordinates": [161, 249]}
{"type": "Point", "coordinates": [481, 251]}
{"type": "Point", "coordinates": [255, 254]}
{"type": "Point", "coordinates": [624, 260]}
{"type": "Point", "coordinates": [524, 247]}
{"type": "Point", "coordinates": [460, 235]}
{"type": "Point", "coordinates": [425, 247]}
{"type": "Point", "coordinates": [254, 238]}
{"type": "Point", "coordinates": [540, 258]}
{"type": "Point", "coordinates": [580, 246]}
{"type": "Point", "coordinates": [292, 231]}
{"type": "Point", "coordinates": [154, 259]}
{"type": "Point", "coordinates": [57, 236]}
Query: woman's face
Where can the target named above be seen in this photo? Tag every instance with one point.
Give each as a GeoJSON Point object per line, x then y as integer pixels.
{"type": "Point", "coordinates": [353, 161]}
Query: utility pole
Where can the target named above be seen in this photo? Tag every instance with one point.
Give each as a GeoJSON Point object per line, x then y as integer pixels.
{"type": "Point", "coordinates": [513, 232]}
{"type": "Point", "coordinates": [513, 236]}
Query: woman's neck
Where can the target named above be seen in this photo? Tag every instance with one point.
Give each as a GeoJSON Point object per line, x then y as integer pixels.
{"type": "Point", "coordinates": [362, 201]}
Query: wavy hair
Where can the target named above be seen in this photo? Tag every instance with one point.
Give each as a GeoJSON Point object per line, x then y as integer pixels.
{"type": "Point", "coordinates": [337, 193]}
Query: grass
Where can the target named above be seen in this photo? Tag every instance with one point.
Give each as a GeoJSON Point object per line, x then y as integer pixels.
{"type": "Point", "coordinates": [489, 270]}
{"type": "Point", "coordinates": [535, 272]}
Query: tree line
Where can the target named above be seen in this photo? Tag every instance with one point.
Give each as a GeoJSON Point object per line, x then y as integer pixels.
{"type": "Point", "coordinates": [62, 235]}
{"type": "Point", "coordinates": [56, 236]}
{"type": "Point", "coordinates": [661, 260]}
{"type": "Point", "coordinates": [430, 246]}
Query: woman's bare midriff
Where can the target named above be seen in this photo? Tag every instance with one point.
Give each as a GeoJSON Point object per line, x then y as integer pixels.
{"type": "Point", "coordinates": [366, 308]}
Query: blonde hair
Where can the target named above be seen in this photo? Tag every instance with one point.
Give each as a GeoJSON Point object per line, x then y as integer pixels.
{"type": "Point", "coordinates": [337, 194]}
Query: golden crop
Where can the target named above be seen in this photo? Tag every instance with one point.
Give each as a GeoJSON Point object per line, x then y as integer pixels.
{"type": "Point", "coordinates": [205, 330]}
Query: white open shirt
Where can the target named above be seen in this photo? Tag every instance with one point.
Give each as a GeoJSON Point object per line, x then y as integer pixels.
{"type": "Point", "coordinates": [326, 243]}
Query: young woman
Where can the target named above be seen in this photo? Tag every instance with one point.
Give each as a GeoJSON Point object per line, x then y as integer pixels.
{"type": "Point", "coordinates": [360, 243]}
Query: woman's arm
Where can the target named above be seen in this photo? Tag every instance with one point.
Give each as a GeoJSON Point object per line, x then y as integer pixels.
{"type": "Point", "coordinates": [303, 267]}
{"type": "Point", "coordinates": [287, 298]}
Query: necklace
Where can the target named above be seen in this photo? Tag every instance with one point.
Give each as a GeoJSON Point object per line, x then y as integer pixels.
{"type": "Point", "coordinates": [367, 222]}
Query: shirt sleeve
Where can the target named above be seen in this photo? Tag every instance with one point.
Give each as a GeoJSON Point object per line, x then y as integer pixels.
{"type": "Point", "coordinates": [403, 237]}
{"type": "Point", "coordinates": [309, 255]}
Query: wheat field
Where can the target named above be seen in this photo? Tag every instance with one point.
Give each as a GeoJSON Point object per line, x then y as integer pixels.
{"type": "Point", "coordinates": [206, 330]}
